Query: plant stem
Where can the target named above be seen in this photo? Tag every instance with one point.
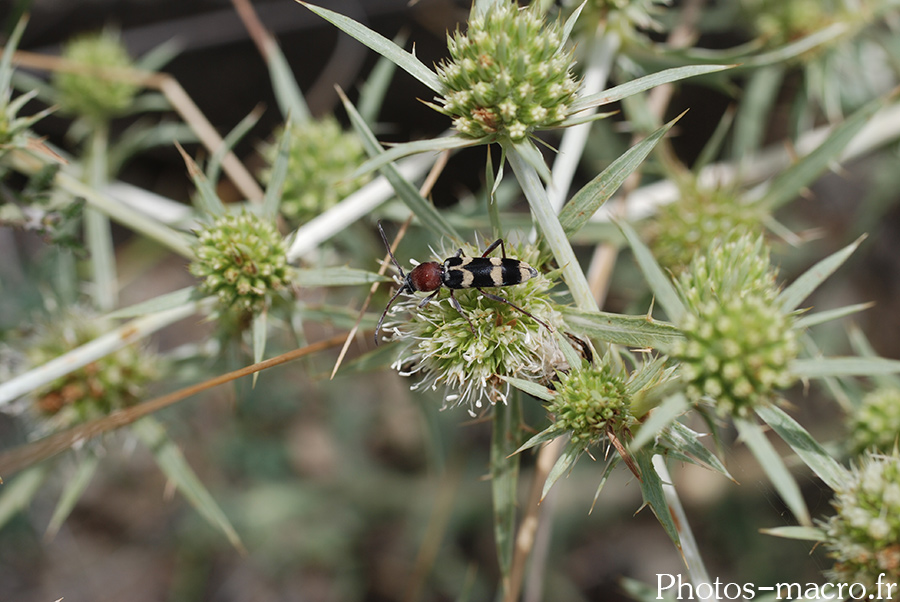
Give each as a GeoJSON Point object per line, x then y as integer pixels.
{"type": "Point", "coordinates": [601, 55]}
{"type": "Point", "coordinates": [98, 234]}
{"type": "Point", "coordinates": [504, 481]}
{"type": "Point", "coordinates": [135, 220]}
{"type": "Point", "coordinates": [553, 232]}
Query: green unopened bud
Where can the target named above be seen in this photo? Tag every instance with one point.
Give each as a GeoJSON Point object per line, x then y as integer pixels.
{"type": "Point", "coordinates": [242, 259]}
{"type": "Point", "coordinates": [590, 403]}
{"type": "Point", "coordinates": [876, 423]}
{"type": "Point", "coordinates": [322, 156]}
{"type": "Point", "coordinates": [98, 98]}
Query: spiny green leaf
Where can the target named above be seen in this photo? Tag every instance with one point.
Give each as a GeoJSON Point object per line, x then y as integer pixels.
{"type": "Point", "coordinates": [545, 436]}
{"type": "Point", "coordinates": [795, 532]}
{"type": "Point", "coordinates": [373, 91]}
{"type": "Point", "coordinates": [533, 157]}
{"type": "Point", "coordinates": [659, 419]}
{"type": "Point", "coordinates": [161, 303]}
{"type": "Point", "coordinates": [72, 492]}
{"type": "Point", "coordinates": [772, 464]}
{"type": "Point", "coordinates": [532, 388]}
{"type": "Point", "coordinates": [287, 92]}
{"type": "Point", "coordinates": [6, 69]}
{"type": "Point", "coordinates": [809, 450]}
{"type": "Point", "coordinates": [589, 199]}
{"type": "Point", "coordinates": [563, 464]}
{"type": "Point", "coordinates": [789, 183]}
{"type": "Point", "coordinates": [398, 151]}
{"type": "Point", "coordinates": [381, 45]}
{"type": "Point", "coordinates": [421, 207]}
{"type": "Point", "coordinates": [644, 83]}
{"type": "Point", "coordinates": [504, 479]}
{"type": "Point", "coordinates": [822, 367]}
{"type": "Point", "coordinates": [831, 314]}
{"type": "Point", "coordinates": [688, 441]}
{"type": "Point", "coordinates": [801, 288]}
{"type": "Point", "coordinates": [634, 331]}
{"type": "Point", "coordinates": [171, 461]}
{"type": "Point", "coordinates": [654, 496]}
{"type": "Point", "coordinates": [659, 282]}
{"type": "Point", "coordinates": [259, 333]}
{"type": "Point", "coordinates": [17, 492]}
{"type": "Point", "coordinates": [336, 276]}
{"type": "Point", "coordinates": [213, 168]}
{"type": "Point", "coordinates": [272, 199]}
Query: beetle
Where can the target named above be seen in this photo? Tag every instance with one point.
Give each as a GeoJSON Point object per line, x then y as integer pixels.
{"type": "Point", "coordinates": [460, 272]}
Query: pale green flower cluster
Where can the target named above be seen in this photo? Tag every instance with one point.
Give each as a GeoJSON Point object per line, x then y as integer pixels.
{"type": "Point", "coordinates": [864, 536]}
{"type": "Point", "coordinates": [242, 259]}
{"type": "Point", "coordinates": [98, 98]}
{"type": "Point", "coordinates": [738, 341]}
{"type": "Point", "coordinates": [876, 423]}
{"type": "Point", "coordinates": [695, 220]}
{"type": "Point", "coordinates": [322, 156]}
{"type": "Point", "coordinates": [109, 383]}
{"type": "Point", "coordinates": [508, 74]}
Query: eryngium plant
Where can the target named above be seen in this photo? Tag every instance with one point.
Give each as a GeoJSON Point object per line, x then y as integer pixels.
{"type": "Point", "coordinates": [242, 260]}
{"type": "Point", "coordinates": [508, 74]}
{"type": "Point", "coordinates": [98, 98]}
{"type": "Point", "coordinates": [738, 341]}
{"type": "Point", "coordinates": [864, 535]}
{"type": "Point", "coordinates": [441, 349]}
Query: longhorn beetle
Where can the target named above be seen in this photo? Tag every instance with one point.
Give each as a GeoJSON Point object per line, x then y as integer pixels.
{"type": "Point", "coordinates": [459, 272]}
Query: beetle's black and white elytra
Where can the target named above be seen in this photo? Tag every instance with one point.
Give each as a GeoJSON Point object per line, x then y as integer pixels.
{"type": "Point", "coordinates": [460, 272]}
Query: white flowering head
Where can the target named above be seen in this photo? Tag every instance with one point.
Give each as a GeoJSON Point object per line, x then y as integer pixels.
{"type": "Point", "coordinates": [508, 75]}
{"type": "Point", "coordinates": [443, 352]}
{"type": "Point", "coordinates": [863, 536]}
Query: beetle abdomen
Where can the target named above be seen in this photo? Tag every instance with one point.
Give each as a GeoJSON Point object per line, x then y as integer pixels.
{"type": "Point", "coordinates": [471, 272]}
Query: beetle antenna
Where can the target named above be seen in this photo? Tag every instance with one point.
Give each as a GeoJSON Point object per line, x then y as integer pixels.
{"type": "Point", "coordinates": [400, 290]}
{"type": "Point", "coordinates": [384, 313]}
{"type": "Point", "coordinates": [391, 253]}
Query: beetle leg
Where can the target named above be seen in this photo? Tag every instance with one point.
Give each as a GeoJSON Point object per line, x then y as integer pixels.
{"type": "Point", "coordinates": [458, 307]}
{"type": "Point", "coordinates": [425, 301]}
{"type": "Point", "coordinates": [514, 306]}
{"type": "Point", "coordinates": [494, 245]}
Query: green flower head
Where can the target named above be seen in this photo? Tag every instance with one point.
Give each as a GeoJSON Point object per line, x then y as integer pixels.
{"type": "Point", "coordinates": [97, 98]}
{"type": "Point", "coordinates": [322, 155]}
{"type": "Point", "coordinates": [876, 422]}
{"type": "Point", "coordinates": [442, 350]}
{"type": "Point", "coordinates": [738, 340]}
{"type": "Point", "coordinates": [695, 220]}
{"type": "Point", "coordinates": [591, 403]}
{"type": "Point", "coordinates": [242, 259]}
{"type": "Point", "coordinates": [863, 536]}
{"type": "Point", "coordinates": [110, 383]}
{"type": "Point", "coordinates": [508, 75]}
